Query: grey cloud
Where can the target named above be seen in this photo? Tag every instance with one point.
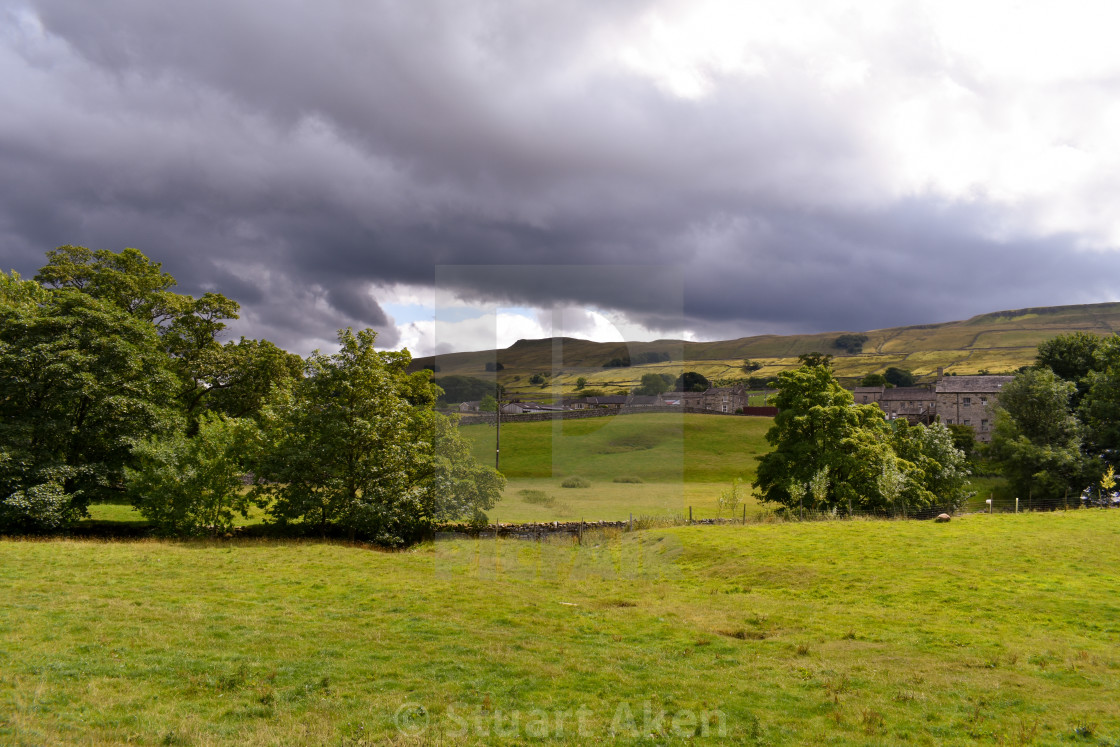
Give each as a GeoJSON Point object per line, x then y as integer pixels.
{"type": "Point", "coordinates": [297, 155]}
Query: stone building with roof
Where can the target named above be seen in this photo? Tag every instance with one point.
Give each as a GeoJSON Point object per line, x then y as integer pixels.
{"type": "Point", "coordinates": [954, 400]}
{"type": "Point", "coordinates": [918, 404]}
{"type": "Point", "coordinates": [970, 400]}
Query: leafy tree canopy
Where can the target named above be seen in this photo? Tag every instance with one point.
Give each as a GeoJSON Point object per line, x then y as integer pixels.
{"type": "Point", "coordinates": [654, 383]}
{"type": "Point", "coordinates": [81, 380]}
{"type": "Point", "coordinates": [851, 344]}
{"type": "Point", "coordinates": [899, 377]}
{"type": "Point", "coordinates": [845, 457]}
{"type": "Point", "coordinates": [874, 379]}
{"type": "Point", "coordinates": [1072, 356]}
{"type": "Point", "coordinates": [1037, 439]}
{"type": "Point", "coordinates": [691, 381]}
{"type": "Point", "coordinates": [816, 359]}
{"type": "Point", "coordinates": [357, 445]}
{"type": "Point", "coordinates": [190, 486]}
{"type": "Point", "coordinates": [750, 366]}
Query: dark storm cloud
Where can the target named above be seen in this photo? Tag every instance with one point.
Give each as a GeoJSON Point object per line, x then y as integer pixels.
{"type": "Point", "coordinates": [298, 155]}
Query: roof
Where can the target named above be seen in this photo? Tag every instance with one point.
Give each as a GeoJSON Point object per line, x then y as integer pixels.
{"type": "Point", "coordinates": [972, 384]}
{"type": "Point", "coordinates": [615, 399]}
{"type": "Point", "coordinates": [868, 390]}
{"type": "Point", "coordinates": [644, 399]}
{"type": "Point", "coordinates": [908, 394]}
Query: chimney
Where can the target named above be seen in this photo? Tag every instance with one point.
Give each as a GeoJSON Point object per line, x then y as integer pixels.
{"type": "Point", "coordinates": [940, 372]}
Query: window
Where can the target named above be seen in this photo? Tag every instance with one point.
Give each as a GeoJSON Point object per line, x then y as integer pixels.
{"type": "Point", "coordinates": [983, 425]}
{"type": "Point", "coordinates": [949, 421]}
{"type": "Point", "coordinates": [968, 422]}
{"type": "Point", "coordinates": [983, 400]}
{"type": "Point", "coordinates": [968, 400]}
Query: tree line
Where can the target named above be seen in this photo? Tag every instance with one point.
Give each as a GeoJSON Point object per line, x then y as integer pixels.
{"type": "Point", "coordinates": [113, 387]}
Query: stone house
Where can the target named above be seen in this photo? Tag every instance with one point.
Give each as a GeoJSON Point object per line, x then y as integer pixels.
{"type": "Point", "coordinates": [517, 407]}
{"type": "Point", "coordinates": [918, 404]}
{"type": "Point", "coordinates": [715, 399]}
{"type": "Point", "coordinates": [970, 400]}
{"type": "Point", "coordinates": [727, 399]}
{"type": "Point", "coordinates": [954, 400]}
{"type": "Point", "coordinates": [868, 395]}
{"type": "Point", "coordinates": [613, 401]}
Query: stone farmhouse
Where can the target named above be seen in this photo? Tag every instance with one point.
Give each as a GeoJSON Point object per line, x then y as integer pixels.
{"type": "Point", "coordinates": [955, 400]}
{"type": "Point", "coordinates": [715, 399]}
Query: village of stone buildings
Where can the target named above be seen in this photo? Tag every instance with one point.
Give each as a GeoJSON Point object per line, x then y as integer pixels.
{"type": "Point", "coordinates": [963, 400]}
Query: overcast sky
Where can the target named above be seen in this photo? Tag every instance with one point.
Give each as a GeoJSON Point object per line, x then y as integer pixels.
{"type": "Point", "coordinates": [710, 169]}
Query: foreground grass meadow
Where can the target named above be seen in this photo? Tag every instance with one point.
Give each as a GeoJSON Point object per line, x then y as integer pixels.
{"type": "Point", "coordinates": [990, 629]}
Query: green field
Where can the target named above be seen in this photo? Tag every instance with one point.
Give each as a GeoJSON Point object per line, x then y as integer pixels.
{"type": "Point", "coordinates": [989, 630]}
{"type": "Point", "coordinates": [661, 447]}
{"type": "Point", "coordinates": [681, 460]}
{"type": "Point", "coordinates": [1000, 341]}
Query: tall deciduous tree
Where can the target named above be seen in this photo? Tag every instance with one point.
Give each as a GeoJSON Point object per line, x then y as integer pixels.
{"type": "Point", "coordinates": [1072, 357]}
{"type": "Point", "coordinates": [818, 428]}
{"type": "Point", "coordinates": [1037, 439]}
{"type": "Point", "coordinates": [357, 445]}
{"type": "Point", "coordinates": [848, 457]}
{"type": "Point", "coordinates": [81, 381]}
{"type": "Point", "coordinates": [1099, 406]}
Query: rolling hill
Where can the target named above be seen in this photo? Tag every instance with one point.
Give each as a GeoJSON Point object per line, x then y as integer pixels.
{"type": "Point", "coordinates": [999, 341]}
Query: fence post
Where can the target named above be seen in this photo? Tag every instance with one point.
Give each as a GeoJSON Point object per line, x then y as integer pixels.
{"type": "Point", "coordinates": [631, 522]}
{"type": "Point", "coordinates": [744, 515]}
{"type": "Point", "coordinates": [581, 530]}
{"type": "Point", "coordinates": [1016, 504]}
{"type": "Point", "coordinates": [690, 514]}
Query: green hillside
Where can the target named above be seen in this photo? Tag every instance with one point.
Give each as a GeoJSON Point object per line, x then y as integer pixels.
{"type": "Point", "coordinates": [1000, 341]}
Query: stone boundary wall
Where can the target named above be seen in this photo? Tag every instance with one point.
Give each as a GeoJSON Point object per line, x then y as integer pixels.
{"type": "Point", "coordinates": [603, 412]}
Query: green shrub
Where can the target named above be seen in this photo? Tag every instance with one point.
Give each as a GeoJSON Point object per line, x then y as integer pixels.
{"type": "Point", "coordinates": [537, 497]}
{"type": "Point", "coordinates": [575, 482]}
{"type": "Point", "coordinates": [629, 478]}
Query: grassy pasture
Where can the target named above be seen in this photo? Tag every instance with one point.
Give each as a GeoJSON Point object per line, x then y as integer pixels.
{"type": "Point", "coordinates": [681, 460]}
{"type": "Point", "coordinates": [987, 630]}
{"type": "Point", "coordinates": [657, 447]}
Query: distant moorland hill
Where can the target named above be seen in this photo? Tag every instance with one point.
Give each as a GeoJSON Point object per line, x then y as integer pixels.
{"type": "Point", "coordinates": [996, 342]}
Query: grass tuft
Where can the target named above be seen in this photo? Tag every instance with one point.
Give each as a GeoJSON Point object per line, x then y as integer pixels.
{"type": "Point", "coordinates": [537, 497]}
